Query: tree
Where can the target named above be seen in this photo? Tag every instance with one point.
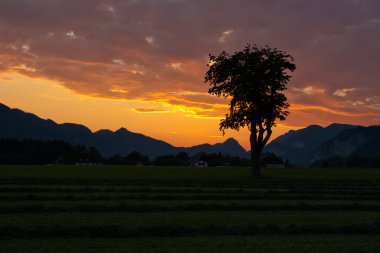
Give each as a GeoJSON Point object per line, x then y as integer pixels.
{"type": "Point", "coordinates": [136, 158]}
{"type": "Point", "coordinates": [182, 158]}
{"type": "Point", "coordinates": [254, 79]}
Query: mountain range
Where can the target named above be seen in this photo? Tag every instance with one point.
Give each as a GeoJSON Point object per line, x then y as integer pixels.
{"type": "Point", "coordinates": [300, 148]}
{"type": "Point", "coordinates": [315, 144]}
{"type": "Point", "coordinates": [360, 141]}
{"type": "Point", "coordinates": [21, 125]}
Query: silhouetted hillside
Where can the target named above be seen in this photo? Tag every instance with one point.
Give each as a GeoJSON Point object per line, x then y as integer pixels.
{"type": "Point", "coordinates": [20, 125]}
{"type": "Point", "coordinates": [359, 143]}
{"type": "Point", "coordinates": [297, 146]}
{"type": "Point", "coordinates": [230, 147]}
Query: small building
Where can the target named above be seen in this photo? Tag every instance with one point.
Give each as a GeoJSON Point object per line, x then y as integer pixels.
{"type": "Point", "coordinates": [85, 161]}
{"type": "Point", "coordinates": [201, 163]}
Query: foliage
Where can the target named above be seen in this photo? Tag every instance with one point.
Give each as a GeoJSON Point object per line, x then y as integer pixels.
{"type": "Point", "coordinates": [223, 160]}
{"type": "Point", "coordinates": [213, 159]}
{"type": "Point", "coordinates": [170, 160]}
{"type": "Point", "coordinates": [254, 79]}
{"type": "Point", "coordinates": [135, 158]}
{"type": "Point", "coordinates": [13, 151]}
{"type": "Point", "coordinates": [352, 161]}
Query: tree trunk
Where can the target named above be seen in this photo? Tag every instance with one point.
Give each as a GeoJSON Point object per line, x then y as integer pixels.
{"type": "Point", "coordinates": [255, 160]}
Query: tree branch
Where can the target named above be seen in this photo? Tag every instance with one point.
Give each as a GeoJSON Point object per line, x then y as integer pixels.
{"type": "Point", "coordinates": [261, 133]}
{"type": "Point", "coordinates": [267, 137]}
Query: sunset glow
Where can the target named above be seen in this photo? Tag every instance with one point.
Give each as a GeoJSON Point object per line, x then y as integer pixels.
{"type": "Point", "coordinates": [141, 64]}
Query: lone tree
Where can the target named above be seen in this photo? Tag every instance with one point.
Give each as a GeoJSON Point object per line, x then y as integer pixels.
{"type": "Point", "coordinates": [254, 79]}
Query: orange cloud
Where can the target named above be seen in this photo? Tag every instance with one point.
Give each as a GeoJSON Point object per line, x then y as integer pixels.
{"type": "Point", "coordinates": [149, 110]}
{"type": "Point", "coordinates": [155, 53]}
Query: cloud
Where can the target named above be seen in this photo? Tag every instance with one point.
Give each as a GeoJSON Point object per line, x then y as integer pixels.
{"type": "Point", "coordinates": [175, 65]}
{"type": "Point", "coordinates": [119, 61]}
{"type": "Point", "coordinates": [158, 50]}
{"type": "Point", "coordinates": [225, 35]}
{"type": "Point", "coordinates": [25, 48]}
{"type": "Point", "coordinates": [372, 102]}
{"type": "Point", "coordinates": [150, 110]}
{"type": "Point", "coordinates": [118, 89]}
{"type": "Point", "coordinates": [309, 90]}
{"type": "Point", "coordinates": [109, 8]}
{"type": "Point", "coordinates": [343, 92]}
{"type": "Point", "coordinates": [7, 78]}
{"type": "Point", "coordinates": [150, 40]}
{"type": "Point", "coordinates": [24, 68]}
{"type": "Point", "coordinates": [71, 34]}
{"type": "Point", "coordinates": [299, 107]}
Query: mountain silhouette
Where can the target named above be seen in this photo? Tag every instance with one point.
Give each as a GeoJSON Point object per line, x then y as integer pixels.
{"type": "Point", "coordinates": [297, 146]}
{"type": "Point", "coordinates": [230, 147]}
{"type": "Point", "coordinates": [360, 141]}
{"type": "Point", "coordinates": [21, 125]}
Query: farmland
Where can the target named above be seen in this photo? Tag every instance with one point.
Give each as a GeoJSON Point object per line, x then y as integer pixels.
{"type": "Point", "coordinates": [167, 209]}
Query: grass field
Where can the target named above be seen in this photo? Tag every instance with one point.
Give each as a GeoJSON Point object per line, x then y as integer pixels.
{"type": "Point", "coordinates": [164, 209]}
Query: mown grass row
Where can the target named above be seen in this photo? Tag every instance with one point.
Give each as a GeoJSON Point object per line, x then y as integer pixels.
{"type": "Point", "coordinates": [175, 174]}
{"type": "Point", "coordinates": [149, 208]}
{"type": "Point", "coordinates": [171, 181]}
{"type": "Point", "coordinates": [160, 197]}
{"type": "Point", "coordinates": [59, 204]}
{"type": "Point", "coordinates": [212, 244]}
{"type": "Point", "coordinates": [184, 190]}
{"type": "Point", "coordinates": [189, 218]}
{"type": "Point", "coordinates": [179, 231]}
{"type": "Point", "coordinates": [111, 202]}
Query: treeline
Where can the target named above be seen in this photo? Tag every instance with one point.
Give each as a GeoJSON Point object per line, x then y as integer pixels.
{"type": "Point", "coordinates": [14, 151]}
{"type": "Point", "coordinates": [212, 160]}
{"type": "Point", "coordinates": [353, 161]}
{"type": "Point", "coordinates": [179, 159]}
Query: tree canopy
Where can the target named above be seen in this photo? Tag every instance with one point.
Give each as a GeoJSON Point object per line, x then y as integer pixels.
{"type": "Point", "coordinates": [254, 79]}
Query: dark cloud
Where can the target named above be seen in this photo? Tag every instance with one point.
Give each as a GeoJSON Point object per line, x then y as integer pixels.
{"type": "Point", "coordinates": [157, 50]}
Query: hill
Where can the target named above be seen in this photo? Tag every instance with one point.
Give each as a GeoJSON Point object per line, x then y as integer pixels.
{"type": "Point", "coordinates": [351, 146]}
{"type": "Point", "coordinates": [298, 146]}
{"type": "Point", "coordinates": [21, 125]}
{"type": "Point", "coordinates": [230, 147]}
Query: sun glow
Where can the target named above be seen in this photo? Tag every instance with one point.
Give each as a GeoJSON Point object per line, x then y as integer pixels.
{"type": "Point", "coordinates": [50, 100]}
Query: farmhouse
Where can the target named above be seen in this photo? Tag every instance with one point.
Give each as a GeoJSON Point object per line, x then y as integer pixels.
{"type": "Point", "coordinates": [201, 163]}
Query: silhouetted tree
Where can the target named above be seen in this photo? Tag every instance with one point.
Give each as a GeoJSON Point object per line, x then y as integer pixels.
{"type": "Point", "coordinates": [114, 159]}
{"type": "Point", "coordinates": [94, 155]}
{"type": "Point", "coordinates": [182, 158]}
{"type": "Point", "coordinates": [212, 159]}
{"type": "Point", "coordinates": [166, 160]}
{"type": "Point", "coordinates": [135, 158]}
{"type": "Point", "coordinates": [254, 79]}
{"type": "Point", "coordinates": [13, 151]}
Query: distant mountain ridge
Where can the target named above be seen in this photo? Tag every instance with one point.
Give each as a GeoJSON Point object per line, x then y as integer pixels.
{"type": "Point", "coordinates": [311, 145]}
{"type": "Point", "coordinates": [21, 125]}
{"type": "Point", "coordinates": [359, 141]}
{"type": "Point", "coordinates": [298, 146]}
{"type": "Point", "coordinates": [230, 146]}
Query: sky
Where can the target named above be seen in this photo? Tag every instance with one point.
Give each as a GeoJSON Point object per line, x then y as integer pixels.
{"type": "Point", "coordinates": [140, 64]}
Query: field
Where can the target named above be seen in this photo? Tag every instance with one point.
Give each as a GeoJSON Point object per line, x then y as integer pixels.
{"type": "Point", "coordinates": [162, 209]}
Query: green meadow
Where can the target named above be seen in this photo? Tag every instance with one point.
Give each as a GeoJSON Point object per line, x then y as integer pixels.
{"type": "Point", "coordinates": [171, 209]}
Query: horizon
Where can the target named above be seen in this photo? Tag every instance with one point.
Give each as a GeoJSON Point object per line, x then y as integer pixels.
{"type": "Point", "coordinates": [198, 144]}
{"type": "Point", "coordinates": [141, 65]}
{"type": "Point", "coordinates": [122, 128]}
